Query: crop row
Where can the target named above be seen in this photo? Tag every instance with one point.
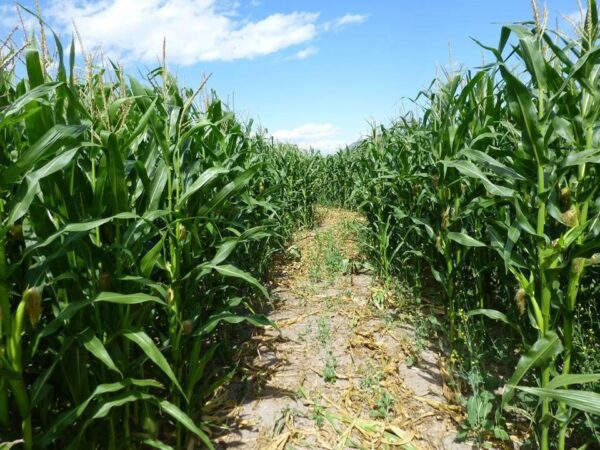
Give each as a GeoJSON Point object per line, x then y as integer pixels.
{"type": "Point", "coordinates": [136, 223]}
{"type": "Point", "coordinates": [490, 193]}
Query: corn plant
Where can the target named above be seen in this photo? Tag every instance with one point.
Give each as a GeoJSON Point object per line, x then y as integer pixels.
{"type": "Point", "coordinates": [554, 222]}
{"type": "Point", "coordinates": [493, 185]}
{"type": "Point", "coordinates": [135, 226]}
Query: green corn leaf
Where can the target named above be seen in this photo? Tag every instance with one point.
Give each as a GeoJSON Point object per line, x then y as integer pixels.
{"type": "Point", "coordinates": [39, 384]}
{"type": "Point", "coordinates": [46, 146]}
{"type": "Point", "coordinates": [204, 179]}
{"type": "Point", "coordinates": [141, 125]}
{"type": "Point", "coordinates": [155, 443]}
{"type": "Point", "coordinates": [109, 297]}
{"type": "Point", "coordinates": [198, 365]}
{"type": "Point", "coordinates": [230, 188]}
{"type": "Point", "coordinates": [153, 353]}
{"type": "Point", "coordinates": [493, 164]}
{"type": "Point", "coordinates": [591, 156]}
{"type": "Point", "coordinates": [585, 401]}
{"type": "Point", "coordinates": [569, 379]}
{"type": "Point", "coordinates": [26, 193]}
{"type": "Point", "coordinates": [115, 169]}
{"type": "Point", "coordinates": [67, 313]}
{"type": "Point", "coordinates": [522, 219]}
{"type": "Point", "coordinates": [149, 260]}
{"type": "Point", "coordinates": [121, 400]}
{"type": "Point", "coordinates": [159, 181]}
{"type": "Point", "coordinates": [513, 235]}
{"type": "Point", "coordinates": [185, 420]}
{"type": "Point", "coordinates": [66, 419]}
{"type": "Point", "coordinates": [496, 315]}
{"type": "Point", "coordinates": [146, 282]}
{"type": "Point", "coordinates": [127, 299]}
{"type": "Point", "coordinates": [465, 239]}
{"type": "Point", "coordinates": [38, 94]}
{"type": "Point", "coordinates": [544, 349]}
{"type": "Point", "coordinates": [229, 270]}
{"type": "Point", "coordinates": [531, 54]}
{"type": "Point", "coordinates": [78, 228]}
{"type": "Point", "coordinates": [97, 348]}
{"type": "Point", "coordinates": [228, 245]}
{"type": "Point", "coordinates": [522, 108]}
{"type": "Point", "coordinates": [224, 251]}
{"type": "Point", "coordinates": [424, 224]}
{"type": "Point", "coordinates": [257, 320]}
{"type": "Point", "coordinates": [471, 170]}
{"type": "Point", "coordinates": [492, 314]}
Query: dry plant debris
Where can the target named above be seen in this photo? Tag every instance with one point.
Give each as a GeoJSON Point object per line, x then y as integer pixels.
{"type": "Point", "coordinates": [331, 375]}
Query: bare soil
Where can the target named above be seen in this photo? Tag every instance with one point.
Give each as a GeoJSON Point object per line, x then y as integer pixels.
{"type": "Point", "coordinates": [337, 372]}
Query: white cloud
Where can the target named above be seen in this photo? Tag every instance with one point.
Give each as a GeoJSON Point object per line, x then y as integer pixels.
{"type": "Point", "coordinates": [195, 30]}
{"type": "Point", "coordinates": [305, 53]}
{"type": "Point", "coordinates": [319, 136]}
{"type": "Point", "coordinates": [350, 19]}
{"type": "Point", "coordinates": [10, 21]}
{"type": "Point", "coordinates": [347, 19]}
{"type": "Point", "coordinates": [6, 16]}
{"type": "Point", "coordinates": [576, 19]}
{"type": "Point", "coordinates": [311, 130]}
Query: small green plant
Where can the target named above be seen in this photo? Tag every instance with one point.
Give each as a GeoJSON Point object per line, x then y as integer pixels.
{"type": "Point", "coordinates": [384, 406]}
{"type": "Point", "coordinates": [371, 378]}
{"type": "Point", "coordinates": [348, 228]}
{"type": "Point", "coordinates": [306, 332]}
{"type": "Point", "coordinates": [329, 371]}
{"type": "Point", "coordinates": [317, 415]}
{"type": "Point", "coordinates": [425, 325]}
{"type": "Point", "coordinates": [323, 331]}
{"type": "Point", "coordinates": [334, 260]}
{"type": "Point", "coordinates": [325, 260]}
{"type": "Point", "coordinates": [332, 302]}
{"type": "Point", "coordinates": [294, 253]}
{"type": "Point", "coordinates": [315, 272]}
{"type": "Point", "coordinates": [478, 423]}
{"type": "Point", "coordinates": [378, 299]}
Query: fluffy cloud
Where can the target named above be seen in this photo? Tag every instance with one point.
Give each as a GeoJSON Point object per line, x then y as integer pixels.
{"type": "Point", "coordinates": [341, 22]}
{"type": "Point", "coordinates": [10, 21]}
{"type": "Point", "coordinates": [319, 136]}
{"type": "Point", "coordinates": [350, 19]}
{"type": "Point", "coordinates": [576, 19]}
{"type": "Point", "coordinates": [195, 30]}
{"type": "Point", "coordinates": [305, 53]}
{"type": "Point", "coordinates": [6, 16]}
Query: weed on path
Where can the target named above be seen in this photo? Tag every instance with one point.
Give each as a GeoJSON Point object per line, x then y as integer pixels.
{"type": "Point", "coordinates": [342, 370]}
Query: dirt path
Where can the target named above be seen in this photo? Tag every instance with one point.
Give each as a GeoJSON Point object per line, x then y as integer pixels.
{"type": "Point", "coordinates": [336, 374]}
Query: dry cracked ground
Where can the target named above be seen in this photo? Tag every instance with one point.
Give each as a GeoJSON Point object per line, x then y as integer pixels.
{"type": "Point", "coordinates": [339, 371]}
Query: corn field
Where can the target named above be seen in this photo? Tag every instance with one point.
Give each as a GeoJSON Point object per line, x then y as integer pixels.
{"type": "Point", "coordinates": [136, 224]}
{"type": "Point", "coordinates": [139, 218]}
{"type": "Point", "coordinates": [491, 195]}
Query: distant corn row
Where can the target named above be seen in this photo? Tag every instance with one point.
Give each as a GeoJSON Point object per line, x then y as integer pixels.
{"type": "Point", "coordinates": [493, 192]}
{"type": "Point", "coordinates": [135, 226]}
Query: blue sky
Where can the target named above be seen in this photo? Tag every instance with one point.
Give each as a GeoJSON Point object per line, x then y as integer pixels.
{"type": "Point", "coordinates": [311, 72]}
